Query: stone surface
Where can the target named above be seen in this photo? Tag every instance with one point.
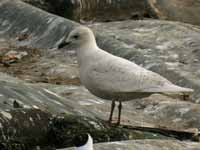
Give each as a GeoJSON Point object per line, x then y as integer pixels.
{"type": "Point", "coordinates": [31, 128]}
{"type": "Point", "coordinates": [95, 10]}
{"type": "Point", "coordinates": [157, 111]}
{"type": "Point", "coordinates": [184, 10]}
{"type": "Point", "coordinates": [108, 10]}
{"type": "Point", "coordinates": [145, 145]}
{"type": "Point", "coordinates": [43, 30]}
{"type": "Point", "coordinates": [23, 128]}
{"type": "Point", "coordinates": [40, 65]}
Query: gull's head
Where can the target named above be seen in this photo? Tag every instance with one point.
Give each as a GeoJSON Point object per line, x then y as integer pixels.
{"type": "Point", "coordinates": [79, 37]}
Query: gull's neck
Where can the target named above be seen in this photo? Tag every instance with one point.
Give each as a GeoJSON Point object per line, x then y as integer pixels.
{"type": "Point", "coordinates": [86, 50]}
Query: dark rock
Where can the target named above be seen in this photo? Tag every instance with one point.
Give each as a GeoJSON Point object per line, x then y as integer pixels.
{"type": "Point", "coordinates": [185, 10]}
{"type": "Point", "coordinates": [103, 10]}
{"type": "Point", "coordinates": [16, 104]}
{"type": "Point", "coordinates": [109, 10]}
{"type": "Point", "coordinates": [63, 130]}
{"type": "Point", "coordinates": [30, 128]}
{"type": "Point", "coordinates": [24, 128]}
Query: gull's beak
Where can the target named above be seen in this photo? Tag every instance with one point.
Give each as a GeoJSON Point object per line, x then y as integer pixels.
{"type": "Point", "coordinates": [63, 44]}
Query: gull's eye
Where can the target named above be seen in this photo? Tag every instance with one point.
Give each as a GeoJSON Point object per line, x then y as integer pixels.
{"type": "Point", "coordinates": [75, 36]}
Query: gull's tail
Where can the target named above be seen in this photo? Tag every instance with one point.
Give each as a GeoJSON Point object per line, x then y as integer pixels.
{"type": "Point", "coordinates": [169, 88]}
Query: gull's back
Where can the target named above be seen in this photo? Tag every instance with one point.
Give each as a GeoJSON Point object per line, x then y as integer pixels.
{"type": "Point", "coordinates": [109, 76]}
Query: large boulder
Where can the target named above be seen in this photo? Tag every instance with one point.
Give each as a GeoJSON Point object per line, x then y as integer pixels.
{"type": "Point", "coordinates": [185, 10]}
{"type": "Point", "coordinates": [109, 10]}
{"type": "Point", "coordinates": [95, 10]}
{"type": "Point", "coordinates": [33, 128]}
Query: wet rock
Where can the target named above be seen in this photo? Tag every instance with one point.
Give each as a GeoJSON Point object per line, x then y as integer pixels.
{"type": "Point", "coordinates": [145, 145]}
{"type": "Point", "coordinates": [184, 11]}
{"type": "Point", "coordinates": [23, 128]}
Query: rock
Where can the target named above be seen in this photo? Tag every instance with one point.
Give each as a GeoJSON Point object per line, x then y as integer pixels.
{"type": "Point", "coordinates": [63, 130]}
{"type": "Point", "coordinates": [95, 10]}
{"type": "Point", "coordinates": [110, 10]}
{"type": "Point", "coordinates": [36, 32]}
{"type": "Point", "coordinates": [16, 104]}
{"type": "Point", "coordinates": [42, 4]}
{"type": "Point", "coordinates": [31, 128]}
{"type": "Point", "coordinates": [156, 111]}
{"type": "Point", "coordinates": [23, 128]}
{"type": "Point", "coordinates": [145, 145]}
{"type": "Point", "coordinates": [185, 11]}
{"type": "Point", "coordinates": [12, 57]}
{"type": "Point", "coordinates": [40, 65]}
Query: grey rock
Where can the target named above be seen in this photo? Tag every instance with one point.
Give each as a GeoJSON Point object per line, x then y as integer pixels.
{"type": "Point", "coordinates": [145, 145]}
{"type": "Point", "coordinates": [27, 25]}
{"type": "Point", "coordinates": [184, 11]}
{"type": "Point", "coordinates": [156, 111]}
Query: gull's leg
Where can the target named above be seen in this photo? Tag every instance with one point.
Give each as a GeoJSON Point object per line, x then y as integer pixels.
{"type": "Point", "coordinates": [119, 114]}
{"type": "Point", "coordinates": [111, 112]}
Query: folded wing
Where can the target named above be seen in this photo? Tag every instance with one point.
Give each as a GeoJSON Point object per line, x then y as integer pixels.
{"type": "Point", "coordinates": [120, 75]}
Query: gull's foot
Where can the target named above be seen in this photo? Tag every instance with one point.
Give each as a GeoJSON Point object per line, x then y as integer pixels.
{"type": "Point", "coordinates": [121, 122]}
{"type": "Point", "coordinates": [115, 121]}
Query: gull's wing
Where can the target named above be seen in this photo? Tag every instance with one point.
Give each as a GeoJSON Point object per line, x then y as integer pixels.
{"type": "Point", "coordinates": [115, 74]}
